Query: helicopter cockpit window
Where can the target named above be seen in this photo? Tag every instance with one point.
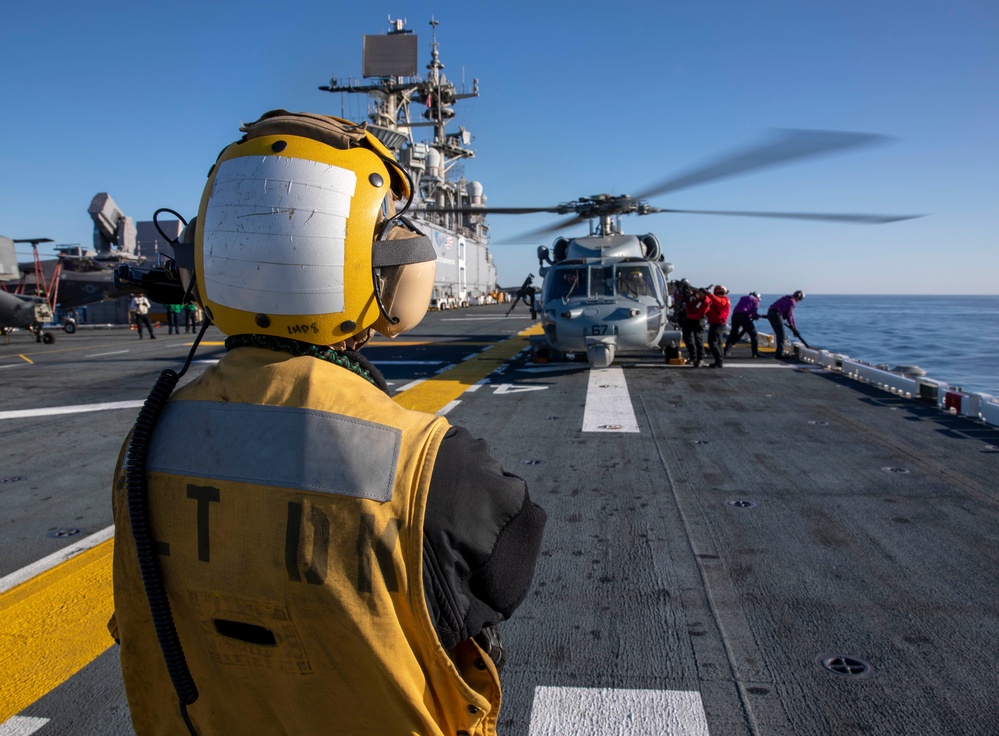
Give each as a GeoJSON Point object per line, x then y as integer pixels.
{"type": "Point", "coordinates": [661, 279]}
{"type": "Point", "coordinates": [634, 281]}
{"type": "Point", "coordinates": [567, 283]}
{"type": "Point", "coordinates": [601, 281]}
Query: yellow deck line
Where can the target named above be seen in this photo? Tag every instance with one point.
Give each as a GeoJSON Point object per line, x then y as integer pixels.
{"type": "Point", "coordinates": [55, 624]}
{"type": "Point", "coordinates": [437, 392]}
{"type": "Point", "coordinates": [411, 343]}
{"type": "Point", "coordinates": [52, 626]}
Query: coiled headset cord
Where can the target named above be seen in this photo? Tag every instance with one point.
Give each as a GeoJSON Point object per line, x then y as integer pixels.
{"type": "Point", "coordinates": [145, 547]}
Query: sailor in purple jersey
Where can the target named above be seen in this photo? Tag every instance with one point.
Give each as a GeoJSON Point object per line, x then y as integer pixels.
{"type": "Point", "coordinates": [744, 317]}
{"type": "Point", "coordinates": [782, 311]}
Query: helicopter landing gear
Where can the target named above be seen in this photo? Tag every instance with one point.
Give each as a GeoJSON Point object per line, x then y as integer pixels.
{"type": "Point", "coordinates": [540, 355]}
{"type": "Point", "coordinates": [541, 351]}
{"type": "Point", "coordinates": [672, 354]}
{"type": "Point", "coordinates": [41, 336]}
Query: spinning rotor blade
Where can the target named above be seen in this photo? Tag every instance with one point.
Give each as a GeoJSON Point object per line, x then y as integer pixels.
{"type": "Point", "coordinates": [522, 237]}
{"type": "Point", "coordinates": [861, 219]}
{"type": "Point", "coordinates": [788, 146]}
{"type": "Point", "coordinates": [547, 230]}
{"type": "Point", "coordinates": [483, 210]}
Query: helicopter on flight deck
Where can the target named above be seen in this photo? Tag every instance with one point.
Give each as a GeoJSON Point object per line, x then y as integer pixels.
{"type": "Point", "coordinates": [19, 310]}
{"type": "Point", "coordinates": [608, 291]}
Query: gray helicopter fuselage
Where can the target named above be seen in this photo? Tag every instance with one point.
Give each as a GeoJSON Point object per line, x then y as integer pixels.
{"type": "Point", "coordinates": [23, 311]}
{"type": "Point", "coordinates": [603, 295]}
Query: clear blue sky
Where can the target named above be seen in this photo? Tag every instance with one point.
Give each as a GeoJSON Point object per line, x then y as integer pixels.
{"type": "Point", "coordinates": [137, 99]}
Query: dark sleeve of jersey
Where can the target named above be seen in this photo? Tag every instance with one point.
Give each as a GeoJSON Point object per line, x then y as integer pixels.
{"type": "Point", "coordinates": [482, 535]}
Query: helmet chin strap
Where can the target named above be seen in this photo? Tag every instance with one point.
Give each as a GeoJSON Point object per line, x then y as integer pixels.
{"type": "Point", "coordinates": [358, 341]}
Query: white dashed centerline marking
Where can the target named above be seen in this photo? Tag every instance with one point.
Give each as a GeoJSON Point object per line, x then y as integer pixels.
{"type": "Point", "coordinates": [608, 404]}
{"type": "Point", "coordinates": [609, 712]}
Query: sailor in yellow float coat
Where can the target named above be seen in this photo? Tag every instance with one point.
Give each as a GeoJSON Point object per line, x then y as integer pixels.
{"type": "Point", "coordinates": [329, 557]}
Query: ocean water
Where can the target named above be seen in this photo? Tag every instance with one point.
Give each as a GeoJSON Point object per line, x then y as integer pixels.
{"type": "Point", "coordinates": [953, 338]}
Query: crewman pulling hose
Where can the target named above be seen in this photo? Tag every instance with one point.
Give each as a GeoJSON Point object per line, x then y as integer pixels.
{"type": "Point", "coordinates": [329, 561]}
{"type": "Point", "coordinates": [782, 311]}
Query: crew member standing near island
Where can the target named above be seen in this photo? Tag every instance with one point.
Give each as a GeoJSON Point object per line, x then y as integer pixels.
{"type": "Point", "coordinates": [294, 551]}
{"type": "Point", "coordinates": [140, 305]}
{"type": "Point", "coordinates": [782, 311]}
{"type": "Point", "coordinates": [173, 318]}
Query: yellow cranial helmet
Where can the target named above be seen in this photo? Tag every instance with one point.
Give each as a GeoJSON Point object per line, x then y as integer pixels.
{"type": "Point", "coordinates": [296, 235]}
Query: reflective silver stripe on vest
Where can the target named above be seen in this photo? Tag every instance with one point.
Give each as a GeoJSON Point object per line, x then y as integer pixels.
{"type": "Point", "coordinates": [290, 447]}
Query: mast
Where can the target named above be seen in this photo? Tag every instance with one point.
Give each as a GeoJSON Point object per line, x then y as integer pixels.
{"type": "Point", "coordinates": [411, 115]}
{"type": "Point", "coordinates": [390, 64]}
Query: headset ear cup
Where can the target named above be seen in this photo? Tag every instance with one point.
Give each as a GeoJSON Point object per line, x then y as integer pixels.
{"type": "Point", "coordinates": [405, 292]}
{"type": "Point", "coordinates": [406, 267]}
{"type": "Point", "coordinates": [184, 257]}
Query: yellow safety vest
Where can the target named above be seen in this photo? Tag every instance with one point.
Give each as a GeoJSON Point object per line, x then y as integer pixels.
{"type": "Point", "coordinates": [287, 498]}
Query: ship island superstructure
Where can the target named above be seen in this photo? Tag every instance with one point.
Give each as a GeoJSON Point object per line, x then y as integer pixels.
{"type": "Point", "coordinates": [466, 274]}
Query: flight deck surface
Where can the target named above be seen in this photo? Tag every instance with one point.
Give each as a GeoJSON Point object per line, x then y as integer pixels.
{"type": "Point", "coordinates": [762, 549]}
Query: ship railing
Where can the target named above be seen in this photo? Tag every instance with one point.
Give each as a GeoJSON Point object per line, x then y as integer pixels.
{"type": "Point", "coordinates": [975, 405]}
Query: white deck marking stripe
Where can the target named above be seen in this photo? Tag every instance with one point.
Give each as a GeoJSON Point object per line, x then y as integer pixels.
{"type": "Point", "coordinates": [21, 725]}
{"type": "Point", "coordinates": [728, 366]}
{"type": "Point", "coordinates": [550, 368]}
{"type": "Point", "coordinates": [101, 355]}
{"type": "Point", "coordinates": [56, 558]}
{"type": "Point", "coordinates": [607, 712]}
{"type": "Point", "coordinates": [608, 405]}
{"type": "Point", "coordinates": [472, 319]}
{"type": "Point", "coordinates": [410, 385]}
{"type": "Point", "coordinates": [51, 411]}
{"type": "Point", "coordinates": [406, 362]}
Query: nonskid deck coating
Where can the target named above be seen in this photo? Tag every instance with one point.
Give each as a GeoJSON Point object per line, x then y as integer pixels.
{"type": "Point", "coordinates": [651, 581]}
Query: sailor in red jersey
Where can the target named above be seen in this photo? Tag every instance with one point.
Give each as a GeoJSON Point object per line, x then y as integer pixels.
{"type": "Point", "coordinates": [717, 314]}
{"type": "Point", "coordinates": [697, 303]}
